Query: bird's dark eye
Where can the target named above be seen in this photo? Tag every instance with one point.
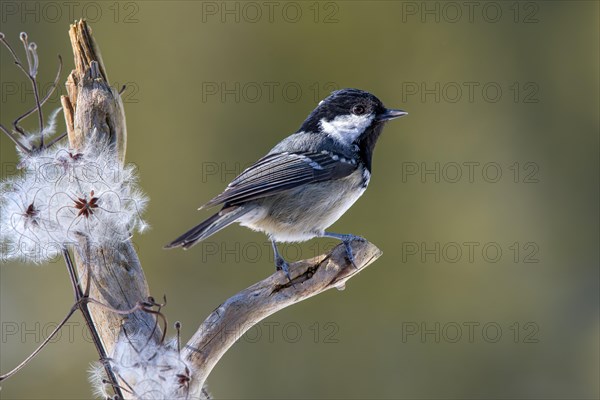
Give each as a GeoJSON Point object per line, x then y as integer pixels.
{"type": "Point", "coordinates": [358, 109]}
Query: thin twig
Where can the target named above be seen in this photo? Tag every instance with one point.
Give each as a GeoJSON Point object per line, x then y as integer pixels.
{"type": "Point", "coordinates": [56, 139]}
{"type": "Point", "coordinates": [9, 47]}
{"type": "Point", "coordinates": [82, 301]}
{"type": "Point", "coordinates": [145, 306]}
{"type": "Point", "coordinates": [72, 275]}
{"type": "Point", "coordinates": [46, 97]}
{"type": "Point", "coordinates": [15, 140]}
{"type": "Point", "coordinates": [31, 73]}
{"type": "Point", "coordinates": [32, 63]}
{"type": "Point", "coordinates": [41, 346]}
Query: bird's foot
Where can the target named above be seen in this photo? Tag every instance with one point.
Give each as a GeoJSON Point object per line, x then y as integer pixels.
{"type": "Point", "coordinates": [347, 239]}
{"type": "Point", "coordinates": [282, 265]}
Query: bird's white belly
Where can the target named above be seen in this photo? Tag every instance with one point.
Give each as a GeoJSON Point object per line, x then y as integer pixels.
{"type": "Point", "coordinates": [303, 213]}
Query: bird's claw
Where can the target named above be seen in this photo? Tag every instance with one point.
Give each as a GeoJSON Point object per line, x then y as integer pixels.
{"type": "Point", "coordinates": [347, 240]}
{"type": "Point", "coordinates": [282, 265]}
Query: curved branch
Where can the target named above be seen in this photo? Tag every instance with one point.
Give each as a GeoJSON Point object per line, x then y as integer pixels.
{"type": "Point", "coordinates": [226, 324]}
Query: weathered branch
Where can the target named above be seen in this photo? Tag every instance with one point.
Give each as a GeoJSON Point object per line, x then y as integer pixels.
{"type": "Point", "coordinates": [232, 319]}
{"type": "Point", "coordinates": [93, 107]}
{"type": "Point", "coordinates": [92, 102]}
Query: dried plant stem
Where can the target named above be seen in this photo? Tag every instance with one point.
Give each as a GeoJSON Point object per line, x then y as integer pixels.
{"type": "Point", "coordinates": [82, 304]}
{"type": "Point", "coordinates": [41, 346]}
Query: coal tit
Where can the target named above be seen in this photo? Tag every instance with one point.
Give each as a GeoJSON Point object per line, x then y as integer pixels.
{"type": "Point", "coordinates": [308, 180]}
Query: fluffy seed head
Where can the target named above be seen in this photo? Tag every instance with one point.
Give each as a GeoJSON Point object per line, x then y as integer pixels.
{"type": "Point", "coordinates": [62, 195]}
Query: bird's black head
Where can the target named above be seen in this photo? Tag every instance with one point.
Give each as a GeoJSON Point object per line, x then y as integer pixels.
{"type": "Point", "coordinates": [351, 116]}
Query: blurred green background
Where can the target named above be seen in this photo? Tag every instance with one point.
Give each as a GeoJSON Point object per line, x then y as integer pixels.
{"type": "Point", "coordinates": [507, 88]}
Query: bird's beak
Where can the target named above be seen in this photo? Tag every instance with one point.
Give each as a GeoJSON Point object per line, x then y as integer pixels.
{"type": "Point", "coordinates": [390, 114]}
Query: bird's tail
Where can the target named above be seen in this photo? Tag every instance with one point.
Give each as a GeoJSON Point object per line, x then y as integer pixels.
{"type": "Point", "coordinates": [206, 228]}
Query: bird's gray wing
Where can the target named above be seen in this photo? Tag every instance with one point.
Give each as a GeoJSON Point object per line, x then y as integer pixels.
{"type": "Point", "coordinates": [278, 172]}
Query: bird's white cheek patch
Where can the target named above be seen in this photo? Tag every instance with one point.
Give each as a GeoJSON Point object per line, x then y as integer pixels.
{"type": "Point", "coordinates": [346, 128]}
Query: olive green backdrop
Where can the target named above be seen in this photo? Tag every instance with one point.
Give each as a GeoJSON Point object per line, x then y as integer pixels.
{"type": "Point", "coordinates": [484, 199]}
